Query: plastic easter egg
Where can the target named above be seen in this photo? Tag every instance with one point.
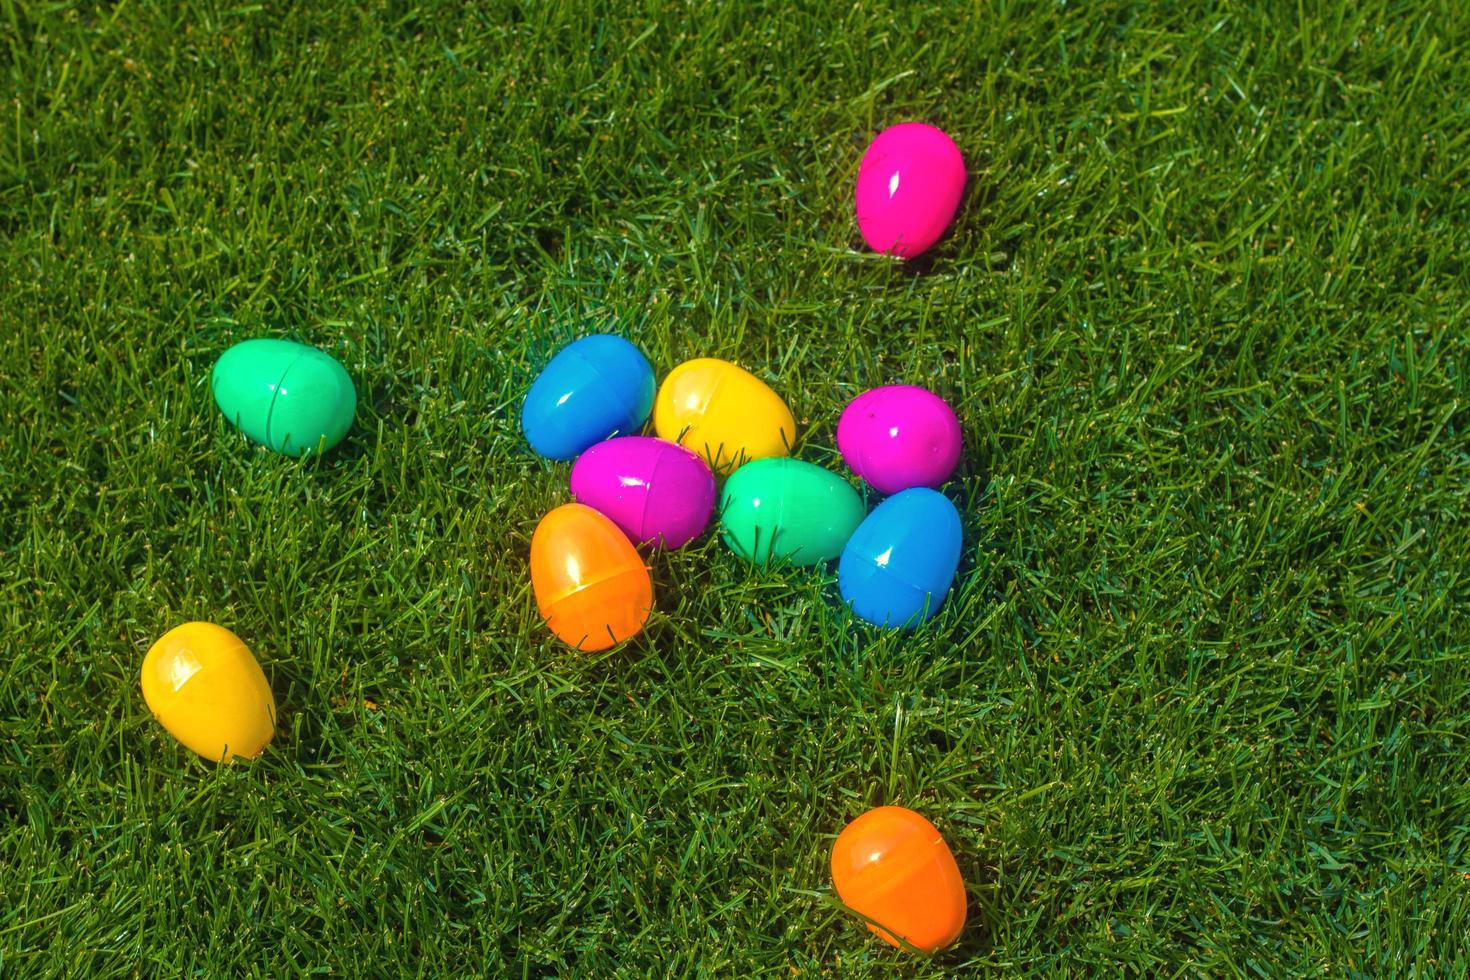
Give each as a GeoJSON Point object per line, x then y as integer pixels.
{"type": "Point", "coordinates": [202, 684]}
{"type": "Point", "coordinates": [286, 396]}
{"type": "Point", "coordinates": [724, 412]}
{"type": "Point", "coordinates": [909, 186]}
{"type": "Point", "coordinates": [656, 491]}
{"type": "Point", "coordinates": [898, 565]}
{"type": "Point", "coordinates": [899, 437]}
{"type": "Point", "coordinates": [591, 587]}
{"type": "Point", "coordinates": [892, 866]}
{"type": "Point", "coordinates": [788, 509]}
{"type": "Point", "coordinates": [596, 387]}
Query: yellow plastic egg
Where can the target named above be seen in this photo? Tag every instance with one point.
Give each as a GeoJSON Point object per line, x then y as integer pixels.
{"type": "Point", "coordinates": [202, 683]}
{"type": "Point", "coordinates": [723, 411]}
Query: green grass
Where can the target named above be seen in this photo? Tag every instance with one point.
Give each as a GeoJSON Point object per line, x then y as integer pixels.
{"type": "Point", "coordinates": [1198, 704]}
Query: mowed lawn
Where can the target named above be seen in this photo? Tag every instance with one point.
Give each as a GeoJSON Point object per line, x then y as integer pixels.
{"type": "Point", "coordinates": [1199, 701]}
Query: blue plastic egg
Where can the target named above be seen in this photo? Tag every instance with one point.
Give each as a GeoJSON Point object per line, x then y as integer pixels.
{"type": "Point", "coordinates": [596, 387]}
{"type": "Point", "coordinates": [899, 564]}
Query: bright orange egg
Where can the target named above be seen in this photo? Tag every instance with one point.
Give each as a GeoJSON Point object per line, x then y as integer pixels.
{"type": "Point", "coordinates": [891, 865]}
{"type": "Point", "coordinates": [590, 584]}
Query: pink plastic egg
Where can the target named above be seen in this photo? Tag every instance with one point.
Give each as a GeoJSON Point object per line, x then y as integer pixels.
{"type": "Point", "coordinates": [909, 184]}
{"type": "Point", "coordinates": [898, 437]}
{"type": "Point", "coordinates": [658, 492]}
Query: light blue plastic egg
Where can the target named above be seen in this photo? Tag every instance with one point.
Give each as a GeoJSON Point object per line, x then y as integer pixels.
{"type": "Point", "coordinates": [594, 388]}
{"type": "Point", "coordinates": [898, 565]}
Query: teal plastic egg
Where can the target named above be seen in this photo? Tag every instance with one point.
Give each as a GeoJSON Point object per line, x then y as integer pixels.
{"type": "Point", "coordinates": [788, 509]}
{"type": "Point", "coordinates": [286, 396]}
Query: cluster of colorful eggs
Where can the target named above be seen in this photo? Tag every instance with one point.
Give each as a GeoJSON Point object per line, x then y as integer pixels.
{"type": "Point", "coordinates": [895, 565]}
{"type": "Point", "coordinates": [711, 418]}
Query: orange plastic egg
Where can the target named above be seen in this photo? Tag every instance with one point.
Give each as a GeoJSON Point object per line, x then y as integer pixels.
{"type": "Point", "coordinates": [590, 584]}
{"type": "Point", "coordinates": [891, 865]}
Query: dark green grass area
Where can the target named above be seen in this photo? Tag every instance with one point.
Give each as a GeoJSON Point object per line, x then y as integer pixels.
{"type": "Point", "coordinates": [1198, 704]}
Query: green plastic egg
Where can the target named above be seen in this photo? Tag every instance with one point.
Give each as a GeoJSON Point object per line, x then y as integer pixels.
{"type": "Point", "coordinates": [287, 396]}
{"type": "Point", "coordinates": [784, 508]}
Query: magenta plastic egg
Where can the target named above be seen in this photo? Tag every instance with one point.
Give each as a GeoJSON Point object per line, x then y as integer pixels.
{"type": "Point", "coordinates": [909, 185]}
{"type": "Point", "coordinates": [898, 437]}
{"type": "Point", "coordinates": [657, 492]}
